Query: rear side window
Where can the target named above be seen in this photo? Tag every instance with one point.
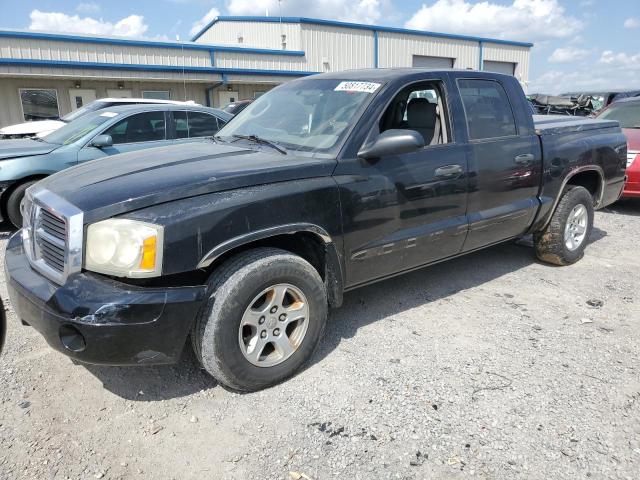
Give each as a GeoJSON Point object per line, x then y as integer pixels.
{"type": "Point", "coordinates": [180, 124]}
{"type": "Point", "coordinates": [202, 125]}
{"type": "Point", "coordinates": [487, 109]}
{"type": "Point", "coordinates": [195, 124]}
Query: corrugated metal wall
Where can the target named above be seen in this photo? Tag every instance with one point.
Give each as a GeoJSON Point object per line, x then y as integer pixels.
{"type": "Point", "coordinates": [260, 61]}
{"type": "Point", "coordinates": [397, 50]}
{"type": "Point", "coordinates": [254, 34]}
{"type": "Point", "coordinates": [98, 73]}
{"type": "Point", "coordinates": [330, 48]}
{"type": "Point", "coordinates": [11, 111]}
{"type": "Point", "coordinates": [38, 49]}
{"type": "Point", "coordinates": [509, 53]}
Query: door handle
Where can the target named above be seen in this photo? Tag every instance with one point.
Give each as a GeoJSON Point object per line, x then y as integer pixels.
{"type": "Point", "coordinates": [448, 171]}
{"type": "Point", "coordinates": [523, 159]}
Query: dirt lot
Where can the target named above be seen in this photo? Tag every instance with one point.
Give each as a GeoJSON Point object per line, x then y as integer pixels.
{"type": "Point", "coordinates": [490, 366]}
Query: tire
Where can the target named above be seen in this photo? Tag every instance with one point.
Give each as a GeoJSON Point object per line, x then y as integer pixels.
{"type": "Point", "coordinates": [551, 244]}
{"type": "Point", "coordinates": [13, 203]}
{"type": "Point", "coordinates": [222, 346]}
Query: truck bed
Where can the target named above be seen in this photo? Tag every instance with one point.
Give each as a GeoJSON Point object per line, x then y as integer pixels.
{"type": "Point", "coordinates": [559, 124]}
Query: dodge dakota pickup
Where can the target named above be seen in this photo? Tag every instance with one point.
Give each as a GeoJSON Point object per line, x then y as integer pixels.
{"type": "Point", "coordinates": [239, 245]}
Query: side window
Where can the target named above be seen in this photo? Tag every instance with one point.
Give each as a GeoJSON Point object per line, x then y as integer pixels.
{"type": "Point", "coordinates": [180, 124]}
{"type": "Point", "coordinates": [141, 127]}
{"type": "Point", "coordinates": [202, 124]}
{"type": "Point", "coordinates": [420, 107]}
{"type": "Point", "coordinates": [487, 109]}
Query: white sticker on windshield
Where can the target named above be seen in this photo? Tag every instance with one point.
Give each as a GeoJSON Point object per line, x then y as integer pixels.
{"type": "Point", "coordinates": [366, 87]}
{"type": "Point", "coordinates": [108, 114]}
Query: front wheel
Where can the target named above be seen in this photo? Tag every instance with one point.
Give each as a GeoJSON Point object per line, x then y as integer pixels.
{"type": "Point", "coordinates": [265, 315]}
{"type": "Point", "coordinates": [13, 203]}
{"type": "Point", "coordinates": [565, 238]}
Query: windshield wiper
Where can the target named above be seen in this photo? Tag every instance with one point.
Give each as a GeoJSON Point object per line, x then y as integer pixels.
{"type": "Point", "coordinates": [258, 140]}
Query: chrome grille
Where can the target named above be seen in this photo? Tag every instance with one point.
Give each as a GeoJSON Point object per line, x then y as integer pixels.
{"type": "Point", "coordinates": [631, 156]}
{"type": "Point", "coordinates": [52, 234]}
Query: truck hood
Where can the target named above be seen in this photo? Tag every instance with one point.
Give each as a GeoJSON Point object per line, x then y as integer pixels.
{"type": "Point", "coordinates": [24, 147]}
{"type": "Point", "coordinates": [130, 181]}
{"type": "Point", "coordinates": [31, 128]}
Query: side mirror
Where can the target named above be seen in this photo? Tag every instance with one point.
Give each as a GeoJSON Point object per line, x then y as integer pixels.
{"type": "Point", "coordinates": [392, 142]}
{"type": "Point", "coordinates": [102, 141]}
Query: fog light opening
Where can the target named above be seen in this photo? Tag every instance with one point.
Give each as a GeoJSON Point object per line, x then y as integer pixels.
{"type": "Point", "coordinates": [72, 339]}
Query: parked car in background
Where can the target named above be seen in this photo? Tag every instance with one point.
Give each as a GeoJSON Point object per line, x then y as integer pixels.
{"type": "Point", "coordinates": [235, 108]}
{"type": "Point", "coordinates": [45, 127]}
{"type": "Point", "coordinates": [627, 112]}
{"type": "Point", "coordinates": [599, 100]}
{"type": "Point", "coordinates": [324, 184]}
{"type": "Point", "coordinates": [96, 135]}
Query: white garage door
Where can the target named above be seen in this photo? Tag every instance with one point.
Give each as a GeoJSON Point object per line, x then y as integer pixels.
{"type": "Point", "coordinates": [507, 68]}
{"type": "Point", "coordinates": [421, 61]}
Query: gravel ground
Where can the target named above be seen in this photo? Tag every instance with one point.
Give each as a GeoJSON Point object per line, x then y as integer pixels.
{"type": "Point", "coordinates": [489, 366]}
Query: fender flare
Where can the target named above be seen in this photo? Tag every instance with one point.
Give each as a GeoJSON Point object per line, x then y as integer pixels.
{"type": "Point", "coordinates": [572, 173]}
{"type": "Point", "coordinates": [333, 274]}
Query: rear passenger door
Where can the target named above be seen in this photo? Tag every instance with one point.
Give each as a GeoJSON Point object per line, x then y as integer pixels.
{"type": "Point", "coordinates": [188, 125]}
{"type": "Point", "coordinates": [505, 162]}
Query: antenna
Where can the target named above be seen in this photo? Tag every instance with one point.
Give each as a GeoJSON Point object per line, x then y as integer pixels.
{"type": "Point", "coordinates": [184, 79]}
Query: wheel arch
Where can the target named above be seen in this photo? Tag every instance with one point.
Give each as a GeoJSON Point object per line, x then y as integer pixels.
{"type": "Point", "coordinates": [583, 177]}
{"type": "Point", "coordinates": [15, 184]}
{"type": "Point", "coordinates": [309, 241]}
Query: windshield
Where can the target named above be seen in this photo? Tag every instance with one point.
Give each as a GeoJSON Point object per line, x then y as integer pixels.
{"type": "Point", "coordinates": [628, 114]}
{"type": "Point", "coordinates": [308, 115]}
{"type": "Point", "coordinates": [74, 131]}
{"type": "Point", "coordinates": [91, 107]}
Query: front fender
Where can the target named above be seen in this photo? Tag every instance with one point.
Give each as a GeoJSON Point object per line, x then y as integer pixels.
{"type": "Point", "coordinates": [198, 230]}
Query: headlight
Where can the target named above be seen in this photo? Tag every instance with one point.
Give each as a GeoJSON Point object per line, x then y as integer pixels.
{"type": "Point", "coordinates": [124, 248]}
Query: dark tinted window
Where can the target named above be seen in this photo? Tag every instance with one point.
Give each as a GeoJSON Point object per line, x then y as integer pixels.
{"type": "Point", "coordinates": [627, 113]}
{"type": "Point", "coordinates": [180, 124]}
{"type": "Point", "coordinates": [487, 109]}
{"type": "Point", "coordinates": [195, 124]}
{"type": "Point", "coordinates": [202, 124]}
{"type": "Point", "coordinates": [142, 127]}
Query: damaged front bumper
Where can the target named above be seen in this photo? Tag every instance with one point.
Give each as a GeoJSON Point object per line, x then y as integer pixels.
{"type": "Point", "coordinates": [95, 319]}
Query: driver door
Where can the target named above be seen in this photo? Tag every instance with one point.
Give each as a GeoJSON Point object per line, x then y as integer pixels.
{"type": "Point", "coordinates": [402, 211]}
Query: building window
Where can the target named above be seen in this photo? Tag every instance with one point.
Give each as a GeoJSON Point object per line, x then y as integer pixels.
{"type": "Point", "coordinates": [39, 104]}
{"type": "Point", "coordinates": [157, 94]}
{"type": "Point", "coordinates": [258, 94]}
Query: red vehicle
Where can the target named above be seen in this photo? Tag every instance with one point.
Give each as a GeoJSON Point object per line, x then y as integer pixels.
{"type": "Point", "coordinates": [627, 112]}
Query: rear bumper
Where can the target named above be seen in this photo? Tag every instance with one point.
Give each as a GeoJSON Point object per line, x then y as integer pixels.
{"type": "Point", "coordinates": [97, 320]}
{"type": "Point", "coordinates": [632, 186]}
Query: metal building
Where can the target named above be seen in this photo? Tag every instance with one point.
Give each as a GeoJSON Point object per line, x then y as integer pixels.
{"type": "Point", "coordinates": [45, 75]}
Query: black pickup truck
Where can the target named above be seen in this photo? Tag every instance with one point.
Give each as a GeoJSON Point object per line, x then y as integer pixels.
{"type": "Point", "coordinates": [324, 184]}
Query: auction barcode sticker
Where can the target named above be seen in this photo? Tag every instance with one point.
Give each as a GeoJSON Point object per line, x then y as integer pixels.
{"type": "Point", "coordinates": [108, 114]}
{"type": "Point", "coordinates": [366, 87]}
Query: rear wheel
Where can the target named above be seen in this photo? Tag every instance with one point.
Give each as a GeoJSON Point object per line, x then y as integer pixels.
{"type": "Point", "coordinates": [565, 238]}
{"type": "Point", "coordinates": [13, 203]}
{"type": "Point", "coordinates": [265, 315]}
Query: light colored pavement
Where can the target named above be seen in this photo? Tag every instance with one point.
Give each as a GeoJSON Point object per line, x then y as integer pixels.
{"type": "Point", "coordinates": [489, 366]}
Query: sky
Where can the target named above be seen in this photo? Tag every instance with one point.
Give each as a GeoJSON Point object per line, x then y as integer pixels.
{"type": "Point", "coordinates": [578, 44]}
